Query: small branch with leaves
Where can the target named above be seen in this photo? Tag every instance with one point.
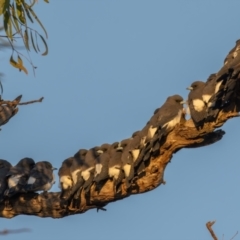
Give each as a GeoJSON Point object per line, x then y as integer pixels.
{"type": "Point", "coordinates": [17, 15]}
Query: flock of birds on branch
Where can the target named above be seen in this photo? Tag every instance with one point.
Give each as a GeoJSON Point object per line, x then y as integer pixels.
{"type": "Point", "coordinates": [125, 161]}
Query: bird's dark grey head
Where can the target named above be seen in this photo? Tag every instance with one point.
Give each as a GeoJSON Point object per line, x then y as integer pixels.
{"type": "Point", "coordinates": [46, 164]}
{"type": "Point", "coordinates": [117, 146]}
{"type": "Point", "coordinates": [125, 142]}
{"type": "Point", "coordinates": [104, 147]}
{"type": "Point", "coordinates": [175, 98]}
{"type": "Point", "coordinates": [81, 153]}
{"type": "Point", "coordinates": [196, 85]}
{"type": "Point", "coordinates": [156, 110]}
{"type": "Point", "coordinates": [4, 164]}
{"type": "Point", "coordinates": [135, 134]}
{"type": "Point", "coordinates": [97, 151]}
{"type": "Point", "coordinates": [26, 163]}
{"type": "Point", "coordinates": [114, 145]}
{"type": "Point", "coordinates": [211, 77]}
{"type": "Point", "coordinates": [68, 162]}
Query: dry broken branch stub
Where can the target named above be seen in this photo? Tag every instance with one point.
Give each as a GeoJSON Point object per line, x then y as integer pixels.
{"type": "Point", "coordinates": [209, 227]}
{"type": "Point", "coordinates": [9, 108]}
{"type": "Point", "coordinates": [184, 135]}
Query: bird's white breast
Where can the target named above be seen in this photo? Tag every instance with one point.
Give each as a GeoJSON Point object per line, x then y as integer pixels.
{"type": "Point", "coordinates": [198, 105]}
{"type": "Point", "coordinates": [86, 174]}
{"type": "Point", "coordinates": [135, 154]}
{"type": "Point", "coordinates": [66, 182]}
{"type": "Point", "coordinates": [74, 175]}
{"type": "Point", "coordinates": [151, 132]}
{"type": "Point", "coordinates": [31, 180]}
{"type": "Point", "coordinates": [47, 186]}
{"type": "Point", "coordinates": [171, 124]}
{"type": "Point", "coordinates": [98, 169]}
{"type": "Point", "coordinates": [114, 172]}
{"type": "Point", "coordinates": [127, 168]}
{"type": "Point", "coordinates": [13, 180]}
{"type": "Point", "coordinates": [218, 86]}
{"type": "Point", "coordinates": [206, 97]}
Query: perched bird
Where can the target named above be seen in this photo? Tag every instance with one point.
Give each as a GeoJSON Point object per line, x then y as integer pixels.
{"type": "Point", "coordinates": [196, 104]}
{"type": "Point", "coordinates": [41, 177]}
{"type": "Point", "coordinates": [115, 165]}
{"type": "Point", "coordinates": [18, 176]}
{"type": "Point", "coordinates": [65, 178]}
{"type": "Point", "coordinates": [148, 133]}
{"type": "Point", "coordinates": [8, 111]}
{"type": "Point", "coordinates": [233, 53]}
{"type": "Point", "coordinates": [149, 129]}
{"type": "Point", "coordinates": [130, 154]}
{"type": "Point", "coordinates": [167, 117]}
{"type": "Point", "coordinates": [4, 169]}
{"type": "Point", "coordinates": [211, 97]}
{"type": "Point", "coordinates": [82, 170]}
{"type": "Point", "coordinates": [76, 170]}
{"type": "Point", "coordinates": [210, 88]}
{"type": "Point", "coordinates": [229, 90]}
{"type": "Point", "coordinates": [88, 168]}
{"type": "Point", "coordinates": [231, 64]}
{"type": "Point", "coordinates": [101, 168]}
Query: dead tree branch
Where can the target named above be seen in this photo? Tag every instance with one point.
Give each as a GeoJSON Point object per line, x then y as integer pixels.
{"type": "Point", "coordinates": [209, 227]}
{"type": "Point", "coordinates": [184, 135]}
{"type": "Point", "coordinates": [6, 231]}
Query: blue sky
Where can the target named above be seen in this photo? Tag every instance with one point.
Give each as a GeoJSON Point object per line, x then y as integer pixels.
{"type": "Point", "coordinates": [110, 65]}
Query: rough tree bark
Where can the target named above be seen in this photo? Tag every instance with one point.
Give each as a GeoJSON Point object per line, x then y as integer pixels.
{"type": "Point", "coordinates": [185, 135]}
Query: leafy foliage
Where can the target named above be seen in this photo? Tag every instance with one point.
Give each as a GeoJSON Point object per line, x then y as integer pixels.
{"type": "Point", "coordinates": [17, 16]}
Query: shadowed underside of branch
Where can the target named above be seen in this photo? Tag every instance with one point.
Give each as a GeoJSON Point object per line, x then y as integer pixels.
{"type": "Point", "coordinates": [184, 135]}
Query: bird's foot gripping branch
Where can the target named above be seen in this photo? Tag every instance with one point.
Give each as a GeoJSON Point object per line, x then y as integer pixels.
{"type": "Point", "coordinates": [103, 174]}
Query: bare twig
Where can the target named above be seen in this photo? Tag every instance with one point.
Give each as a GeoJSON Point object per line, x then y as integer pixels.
{"type": "Point", "coordinates": [209, 227]}
{"type": "Point", "coordinates": [14, 103]}
{"type": "Point", "coordinates": [6, 231]}
{"type": "Point", "coordinates": [234, 235]}
{"type": "Point", "coordinates": [33, 101]}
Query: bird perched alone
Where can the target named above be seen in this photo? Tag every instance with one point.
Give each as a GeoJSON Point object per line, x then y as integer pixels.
{"type": "Point", "coordinates": [18, 176]}
{"type": "Point", "coordinates": [8, 111]}
{"type": "Point", "coordinates": [65, 178]}
{"type": "Point", "coordinates": [197, 107]}
{"type": "Point", "coordinates": [4, 169]}
{"type": "Point", "coordinates": [41, 177]}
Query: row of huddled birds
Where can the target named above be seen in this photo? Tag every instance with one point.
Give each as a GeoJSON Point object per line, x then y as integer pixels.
{"type": "Point", "coordinates": [126, 161]}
